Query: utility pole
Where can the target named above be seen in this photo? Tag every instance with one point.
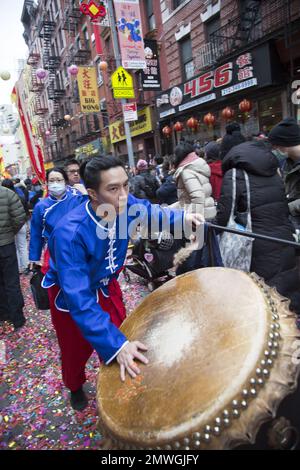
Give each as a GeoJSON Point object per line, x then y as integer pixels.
{"type": "Point", "coordinates": [116, 46]}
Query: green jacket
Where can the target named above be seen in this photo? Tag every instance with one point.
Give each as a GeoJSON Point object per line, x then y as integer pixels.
{"type": "Point", "coordinates": [12, 216]}
{"type": "Point", "coordinates": [291, 176]}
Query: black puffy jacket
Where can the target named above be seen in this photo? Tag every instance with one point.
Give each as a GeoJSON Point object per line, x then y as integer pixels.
{"type": "Point", "coordinates": [269, 212]}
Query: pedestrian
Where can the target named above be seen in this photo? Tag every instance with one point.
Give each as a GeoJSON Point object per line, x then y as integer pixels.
{"type": "Point", "coordinates": [192, 175]}
{"type": "Point", "coordinates": [144, 183]}
{"type": "Point", "coordinates": [212, 156]}
{"type": "Point", "coordinates": [12, 219]}
{"type": "Point", "coordinates": [275, 263]}
{"type": "Point", "coordinates": [21, 236]}
{"type": "Point", "coordinates": [48, 211]}
{"type": "Point", "coordinates": [88, 250]}
{"type": "Point", "coordinates": [232, 137]}
{"type": "Point", "coordinates": [285, 140]}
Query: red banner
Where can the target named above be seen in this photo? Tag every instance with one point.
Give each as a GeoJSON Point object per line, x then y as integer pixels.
{"type": "Point", "coordinates": [34, 150]}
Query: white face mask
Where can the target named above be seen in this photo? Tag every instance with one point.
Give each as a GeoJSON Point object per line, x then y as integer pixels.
{"type": "Point", "coordinates": [57, 189]}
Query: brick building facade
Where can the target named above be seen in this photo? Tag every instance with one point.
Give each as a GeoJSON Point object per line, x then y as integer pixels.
{"type": "Point", "coordinates": [196, 40]}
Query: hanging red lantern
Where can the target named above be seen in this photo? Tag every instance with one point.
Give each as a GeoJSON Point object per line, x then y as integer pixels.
{"type": "Point", "coordinates": [167, 131]}
{"type": "Point", "coordinates": [178, 126]}
{"type": "Point", "coordinates": [192, 123]}
{"type": "Point", "coordinates": [227, 113]}
{"type": "Point", "coordinates": [209, 119]}
{"type": "Point", "coordinates": [245, 106]}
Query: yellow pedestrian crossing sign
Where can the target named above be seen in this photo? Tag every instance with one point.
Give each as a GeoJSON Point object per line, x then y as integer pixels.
{"type": "Point", "coordinates": [122, 84]}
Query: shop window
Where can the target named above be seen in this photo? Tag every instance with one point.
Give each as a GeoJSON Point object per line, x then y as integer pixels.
{"type": "Point", "coordinates": [270, 112]}
{"type": "Point", "coordinates": [186, 58]}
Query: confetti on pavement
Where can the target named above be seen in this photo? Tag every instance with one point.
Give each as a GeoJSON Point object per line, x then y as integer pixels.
{"type": "Point", "coordinates": [34, 404]}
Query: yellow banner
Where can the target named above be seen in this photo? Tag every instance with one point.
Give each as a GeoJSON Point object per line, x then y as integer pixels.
{"type": "Point", "coordinates": [88, 90]}
{"type": "Point", "coordinates": [49, 165]}
{"type": "Point", "coordinates": [2, 167]}
{"type": "Point", "coordinates": [141, 126]}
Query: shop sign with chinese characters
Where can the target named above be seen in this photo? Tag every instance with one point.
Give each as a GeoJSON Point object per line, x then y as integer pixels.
{"type": "Point", "coordinates": [88, 90]}
{"type": "Point", "coordinates": [141, 126]}
{"type": "Point", "coordinates": [256, 68]}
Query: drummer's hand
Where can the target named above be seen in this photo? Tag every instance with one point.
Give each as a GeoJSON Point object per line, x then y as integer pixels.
{"type": "Point", "coordinates": [194, 219]}
{"type": "Point", "coordinates": [126, 359]}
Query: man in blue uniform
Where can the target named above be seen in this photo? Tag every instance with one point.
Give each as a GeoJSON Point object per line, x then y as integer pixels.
{"type": "Point", "coordinates": [88, 249]}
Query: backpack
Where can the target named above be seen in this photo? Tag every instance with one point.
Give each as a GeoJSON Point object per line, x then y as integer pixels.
{"type": "Point", "coordinates": [150, 186]}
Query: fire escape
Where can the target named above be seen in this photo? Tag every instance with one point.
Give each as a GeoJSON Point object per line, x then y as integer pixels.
{"type": "Point", "coordinates": [51, 62]}
{"type": "Point", "coordinates": [256, 20]}
{"type": "Point", "coordinates": [36, 86]}
{"type": "Point", "coordinates": [72, 17]}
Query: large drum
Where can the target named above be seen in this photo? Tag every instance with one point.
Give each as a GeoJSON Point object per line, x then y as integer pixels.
{"type": "Point", "coordinates": [222, 350]}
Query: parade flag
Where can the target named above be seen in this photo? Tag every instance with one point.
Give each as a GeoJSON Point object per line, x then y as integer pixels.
{"type": "Point", "coordinates": [34, 150]}
{"type": "Point", "coordinates": [129, 24]}
{"type": "Point", "coordinates": [88, 90]}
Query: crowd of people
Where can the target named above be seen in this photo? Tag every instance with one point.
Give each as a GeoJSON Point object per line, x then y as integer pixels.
{"type": "Point", "coordinates": [81, 257]}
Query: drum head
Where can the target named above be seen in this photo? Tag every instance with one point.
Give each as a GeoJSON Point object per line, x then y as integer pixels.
{"type": "Point", "coordinates": [214, 338]}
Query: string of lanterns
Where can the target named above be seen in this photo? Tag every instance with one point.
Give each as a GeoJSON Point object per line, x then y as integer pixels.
{"type": "Point", "coordinates": [209, 119]}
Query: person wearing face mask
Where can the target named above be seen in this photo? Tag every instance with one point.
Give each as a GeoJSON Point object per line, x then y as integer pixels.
{"type": "Point", "coordinates": [88, 250]}
{"type": "Point", "coordinates": [48, 211]}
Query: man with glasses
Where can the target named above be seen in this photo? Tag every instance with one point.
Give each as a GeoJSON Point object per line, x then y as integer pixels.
{"type": "Point", "coordinates": [72, 169]}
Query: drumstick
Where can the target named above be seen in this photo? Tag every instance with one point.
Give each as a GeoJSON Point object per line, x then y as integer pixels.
{"type": "Point", "coordinates": [259, 236]}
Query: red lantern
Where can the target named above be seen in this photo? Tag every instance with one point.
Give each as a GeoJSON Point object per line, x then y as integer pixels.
{"type": "Point", "coordinates": [192, 123]}
{"type": "Point", "coordinates": [209, 119]}
{"type": "Point", "coordinates": [178, 126]}
{"type": "Point", "coordinates": [245, 106]}
{"type": "Point", "coordinates": [167, 131]}
{"type": "Point", "coordinates": [228, 113]}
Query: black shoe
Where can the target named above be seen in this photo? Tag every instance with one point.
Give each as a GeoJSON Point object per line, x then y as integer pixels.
{"type": "Point", "coordinates": [79, 400]}
{"type": "Point", "coordinates": [19, 323]}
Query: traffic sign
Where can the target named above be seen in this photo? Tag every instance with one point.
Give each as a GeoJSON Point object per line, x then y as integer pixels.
{"type": "Point", "coordinates": [122, 84]}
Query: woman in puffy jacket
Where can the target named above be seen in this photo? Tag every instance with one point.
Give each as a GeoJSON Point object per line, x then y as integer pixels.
{"type": "Point", "coordinates": [192, 175]}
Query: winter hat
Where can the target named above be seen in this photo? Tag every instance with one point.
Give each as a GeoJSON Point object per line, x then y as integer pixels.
{"type": "Point", "coordinates": [212, 151]}
{"type": "Point", "coordinates": [286, 133]}
{"type": "Point", "coordinates": [142, 165]}
{"type": "Point", "coordinates": [232, 127]}
{"type": "Point", "coordinates": [230, 141]}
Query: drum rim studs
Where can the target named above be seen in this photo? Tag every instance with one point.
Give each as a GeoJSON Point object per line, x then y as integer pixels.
{"type": "Point", "coordinates": [226, 422]}
{"type": "Point", "coordinates": [266, 372]}
{"type": "Point", "coordinates": [197, 435]}
{"type": "Point", "coordinates": [267, 353]}
{"type": "Point", "coordinates": [217, 430]}
{"type": "Point", "coordinates": [218, 421]}
{"type": "Point", "coordinates": [263, 362]}
{"type": "Point", "coordinates": [235, 403]}
{"type": "Point", "coordinates": [207, 437]}
{"type": "Point", "coordinates": [261, 382]}
{"type": "Point", "coordinates": [252, 381]}
{"type": "Point", "coordinates": [244, 404]}
{"type": "Point", "coordinates": [258, 371]}
{"type": "Point", "coordinates": [226, 414]}
{"type": "Point", "coordinates": [207, 429]}
{"type": "Point", "coordinates": [245, 392]}
{"type": "Point", "coordinates": [235, 413]}
{"type": "Point", "coordinates": [186, 441]}
{"type": "Point", "coordinates": [253, 392]}
{"type": "Point", "coordinates": [197, 443]}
